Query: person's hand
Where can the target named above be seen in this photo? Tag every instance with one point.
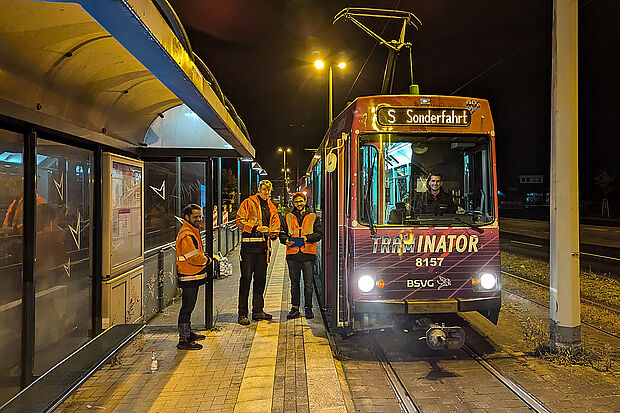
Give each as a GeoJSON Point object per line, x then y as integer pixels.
{"type": "Point", "coordinates": [262, 229]}
{"type": "Point", "coordinates": [305, 239]}
{"type": "Point", "coordinates": [289, 243]}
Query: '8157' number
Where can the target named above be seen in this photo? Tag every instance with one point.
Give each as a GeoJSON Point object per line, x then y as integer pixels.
{"type": "Point", "coordinates": [428, 262]}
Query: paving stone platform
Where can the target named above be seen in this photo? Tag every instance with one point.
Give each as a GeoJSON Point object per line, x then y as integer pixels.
{"type": "Point", "coordinates": [280, 366]}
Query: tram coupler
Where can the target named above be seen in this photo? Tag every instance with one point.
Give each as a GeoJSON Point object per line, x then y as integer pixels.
{"type": "Point", "coordinates": [440, 337]}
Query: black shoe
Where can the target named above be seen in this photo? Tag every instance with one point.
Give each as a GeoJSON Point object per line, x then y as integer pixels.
{"type": "Point", "coordinates": [261, 316]}
{"type": "Point", "coordinates": [243, 320]}
{"type": "Point", "coordinates": [294, 313]}
{"type": "Point", "coordinates": [309, 313]}
{"type": "Point", "coordinates": [188, 345]}
{"type": "Point", "coordinates": [196, 337]}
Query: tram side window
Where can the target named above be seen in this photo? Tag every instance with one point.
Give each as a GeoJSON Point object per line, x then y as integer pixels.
{"type": "Point", "coordinates": [368, 199]}
{"type": "Point", "coordinates": [318, 190]}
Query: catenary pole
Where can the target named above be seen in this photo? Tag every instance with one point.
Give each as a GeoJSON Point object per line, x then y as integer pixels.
{"type": "Point", "coordinates": [565, 323]}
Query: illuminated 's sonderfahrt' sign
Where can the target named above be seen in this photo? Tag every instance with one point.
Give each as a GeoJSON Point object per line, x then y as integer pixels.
{"type": "Point", "coordinates": [392, 116]}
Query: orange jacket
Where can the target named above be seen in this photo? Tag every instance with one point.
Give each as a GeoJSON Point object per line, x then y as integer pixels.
{"type": "Point", "coordinates": [307, 228]}
{"type": "Point", "coordinates": [249, 215]}
{"type": "Point", "coordinates": [13, 217]}
{"type": "Point", "coordinates": [191, 259]}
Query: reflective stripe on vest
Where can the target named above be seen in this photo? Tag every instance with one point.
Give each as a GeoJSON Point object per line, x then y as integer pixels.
{"type": "Point", "coordinates": [307, 228]}
{"type": "Point", "coordinates": [252, 239]}
{"type": "Point", "coordinates": [192, 277]}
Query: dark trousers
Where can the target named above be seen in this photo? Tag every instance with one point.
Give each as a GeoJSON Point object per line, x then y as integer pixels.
{"type": "Point", "coordinates": [295, 268]}
{"type": "Point", "coordinates": [252, 265]}
{"type": "Point", "coordinates": [188, 302]}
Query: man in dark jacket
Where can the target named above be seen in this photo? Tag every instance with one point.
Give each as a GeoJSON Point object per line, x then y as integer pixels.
{"type": "Point", "coordinates": [300, 231]}
{"type": "Point", "coordinates": [435, 200]}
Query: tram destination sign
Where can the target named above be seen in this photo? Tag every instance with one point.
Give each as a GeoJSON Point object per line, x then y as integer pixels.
{"type": "Point", "coordinates": [405, 116]}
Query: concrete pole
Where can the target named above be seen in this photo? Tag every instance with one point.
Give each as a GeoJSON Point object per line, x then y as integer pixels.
{"type": "Point", "coordinates": [565, 323]}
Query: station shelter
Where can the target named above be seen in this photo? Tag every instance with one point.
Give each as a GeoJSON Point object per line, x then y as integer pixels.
{"type": "Point", "coordinates": [109, 125]}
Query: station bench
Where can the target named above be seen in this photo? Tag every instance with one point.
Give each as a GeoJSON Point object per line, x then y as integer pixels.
{"type": "Point", "coordinates": [52, 388]}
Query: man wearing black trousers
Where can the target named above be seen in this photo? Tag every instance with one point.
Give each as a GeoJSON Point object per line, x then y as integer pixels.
{"type": "Point", "coordinates": [192, 272]}
{"type": "Point", "coordinates": [300, 231]}
{"type": "Point", "coordinates": [258, 218]}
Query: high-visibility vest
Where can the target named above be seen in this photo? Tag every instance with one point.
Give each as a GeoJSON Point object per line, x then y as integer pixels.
{"type": "Point", "coordinates": [249, 215]}
{"type": "Point", "coordinates": [307, 228]}
{"type": "Point", "coordinates": [191, 259]}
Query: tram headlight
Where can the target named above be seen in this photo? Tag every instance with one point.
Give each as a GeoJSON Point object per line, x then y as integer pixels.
{"type": "Point", "coordinates": [365, 283]}
{"type": "Point", "coordinates": [484, 281]}
{"type": "Point", "coordinates": [488, 281]}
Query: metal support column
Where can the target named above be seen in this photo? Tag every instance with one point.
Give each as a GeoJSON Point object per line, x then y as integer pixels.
{"type": "Point", "coordinates": [178, 212]}
{"type": "Point", "coordinates": [97, 250]}
{"type": "Point", "coordinates": [565, 323]}
{"type": "Point", "coordinates": [236, 233]}
{"type": "Point", "coordinates": [209, 242]}
{"type": "Point", "coordinates": [220, 213]}
{"type": "Point", "coordinates": [250, 181]}
{"type": "Point", "coordinates": [28, 259]}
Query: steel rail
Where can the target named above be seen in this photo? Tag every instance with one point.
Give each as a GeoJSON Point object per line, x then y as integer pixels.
{"type": "Point", "coordinates": [526, 397]}
{"type": "Point", "coordinates": [404, 398]}
{"type": "Point", "coordinates": [585, 300]}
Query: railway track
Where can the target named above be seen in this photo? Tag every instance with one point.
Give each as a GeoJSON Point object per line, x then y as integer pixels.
{"type": "Point", "coordinates": [593, 303]}
{"type": "Point", "coordinates": [407, 400]}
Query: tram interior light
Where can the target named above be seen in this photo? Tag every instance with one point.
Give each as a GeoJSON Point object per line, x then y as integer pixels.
{"type": "Point", "coordinates": [319, 64]}
{"type": "Point", "coordinates": [365, 283]}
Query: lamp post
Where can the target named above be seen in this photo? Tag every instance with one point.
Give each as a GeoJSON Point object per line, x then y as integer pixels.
{"type": "Point", "coordinates": [284, 169]}
{"type": "Point", "coordinates": [297, 126]}
{"type": "Point", "coordinates": [319, 64]}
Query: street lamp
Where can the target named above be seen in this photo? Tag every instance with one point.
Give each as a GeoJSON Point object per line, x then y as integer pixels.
{"type": "Point", "coordinates": [284, 168]}
{"type": "Point", "coordinates": [319, 64]}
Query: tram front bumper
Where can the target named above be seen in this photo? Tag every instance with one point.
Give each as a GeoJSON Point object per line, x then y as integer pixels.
{"type": "Point", "coordinates": [427, 306]}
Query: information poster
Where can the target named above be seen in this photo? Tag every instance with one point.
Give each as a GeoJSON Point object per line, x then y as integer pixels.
{"type": "Point", "coordinates": [126, 212]}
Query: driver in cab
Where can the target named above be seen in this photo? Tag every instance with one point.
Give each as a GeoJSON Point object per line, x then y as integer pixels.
{"type": "Point", "coordinates": [435, 201]}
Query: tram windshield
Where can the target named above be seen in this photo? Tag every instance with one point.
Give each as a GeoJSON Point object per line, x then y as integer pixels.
{"type": "Point", "coordinates": [425, 180]}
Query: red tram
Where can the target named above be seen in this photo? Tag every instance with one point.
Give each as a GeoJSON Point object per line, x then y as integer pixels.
{"type": "Point", "coordinates": [389, 255]}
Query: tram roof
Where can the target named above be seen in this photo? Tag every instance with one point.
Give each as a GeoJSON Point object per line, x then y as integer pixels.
{"type": "Point", "coordinates": [112, 71]}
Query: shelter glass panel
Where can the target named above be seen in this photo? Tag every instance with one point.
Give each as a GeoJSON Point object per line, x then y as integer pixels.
{"type": "Point", "coordinates": [63, 271]}
{"type": "Point", "coordinates": [160, 196]}
{"type": "Point", "coordinates": [11, 196]}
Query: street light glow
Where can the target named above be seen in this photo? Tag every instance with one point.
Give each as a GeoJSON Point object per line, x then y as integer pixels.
{"type": "Point", "coordinates": [319, 64]}
{"type": "Point", "coordinates": [342, 65]}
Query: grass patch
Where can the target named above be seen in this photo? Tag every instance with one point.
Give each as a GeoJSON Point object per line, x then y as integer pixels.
{"type": "Point", "coordinates": [596, 287]}
{"type": "Point", "coordinates": [536, 334]}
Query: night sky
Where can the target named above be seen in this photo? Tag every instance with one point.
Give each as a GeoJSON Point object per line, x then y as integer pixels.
{"type": "Point", "coordinates": [261, 52]}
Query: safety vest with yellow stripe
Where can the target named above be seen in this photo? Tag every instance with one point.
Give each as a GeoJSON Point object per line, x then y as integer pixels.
{"type": "Point", "coordinates": [307, 228]}
{"type": "Point", "coordinates": [191, 259]}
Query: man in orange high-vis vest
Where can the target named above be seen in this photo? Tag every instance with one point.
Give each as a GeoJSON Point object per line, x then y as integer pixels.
{"type": "Point", "coordinates": [258, 218]}
{"type": "Point", "coordinates": [192, 273]}
{"type": "Point", "coordinates": [301, 230]}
